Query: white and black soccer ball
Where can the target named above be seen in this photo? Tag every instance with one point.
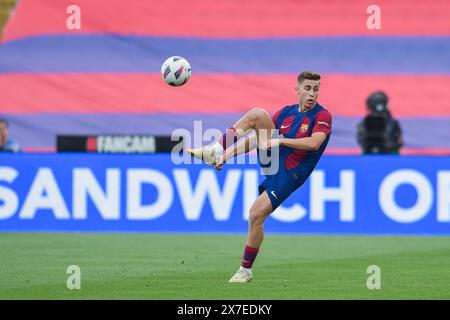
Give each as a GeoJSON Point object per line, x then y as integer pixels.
{"type": "Point", "coordinates": [176, 71]}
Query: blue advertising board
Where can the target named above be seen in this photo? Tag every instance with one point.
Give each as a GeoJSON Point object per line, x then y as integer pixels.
{"type": "Point", "coordinates": [150, 193]}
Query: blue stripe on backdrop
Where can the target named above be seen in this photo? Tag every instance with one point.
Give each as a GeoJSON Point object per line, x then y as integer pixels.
{"type": "Point", "coordinates": [28, 129]}
{"type": "Point", "coordinates": [119, 53]}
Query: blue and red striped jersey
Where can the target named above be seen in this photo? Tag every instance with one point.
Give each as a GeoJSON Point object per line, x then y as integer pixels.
{"type": "Point", "coordinates": [294, 124]}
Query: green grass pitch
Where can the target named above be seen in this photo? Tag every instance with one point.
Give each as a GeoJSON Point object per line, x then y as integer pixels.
{"type": "Point", "coordinates": [179, 266]}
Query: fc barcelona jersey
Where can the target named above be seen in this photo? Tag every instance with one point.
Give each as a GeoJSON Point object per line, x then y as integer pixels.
{"type": "Point", "coordinates": [294, 124]}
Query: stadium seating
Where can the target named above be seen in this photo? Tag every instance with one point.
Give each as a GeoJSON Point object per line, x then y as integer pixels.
{"type": "Point", "coordinates": [104, 78]}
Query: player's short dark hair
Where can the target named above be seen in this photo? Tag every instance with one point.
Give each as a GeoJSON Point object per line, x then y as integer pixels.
{"type": "Point", "coordinates": [309, 75]}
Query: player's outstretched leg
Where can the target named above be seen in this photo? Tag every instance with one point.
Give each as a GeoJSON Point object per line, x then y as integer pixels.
{"type": "Point", "coordinates": [256, 119]}
{"type": "Point", "coordinates": [259, 211]}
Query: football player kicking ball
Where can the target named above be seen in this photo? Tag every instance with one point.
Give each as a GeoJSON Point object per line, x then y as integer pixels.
{"type": "Point", "coordinates": [305, 129]}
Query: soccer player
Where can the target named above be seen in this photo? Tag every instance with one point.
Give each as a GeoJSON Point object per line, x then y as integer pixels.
{"type": "Point", "coordinates": [304, 129]}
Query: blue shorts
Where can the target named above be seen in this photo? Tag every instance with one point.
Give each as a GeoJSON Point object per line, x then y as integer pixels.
{"type": "Point", "coordinates": [281, 185]}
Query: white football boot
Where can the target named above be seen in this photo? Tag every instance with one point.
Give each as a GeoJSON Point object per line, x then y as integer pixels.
{"type": "Point", "coordinates": [242, 275]}
{"type": "Point", "coordinates": [210, 154]}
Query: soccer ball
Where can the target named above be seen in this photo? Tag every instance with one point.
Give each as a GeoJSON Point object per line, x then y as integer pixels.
{"type": "Point", "coordinates": [176, 71]}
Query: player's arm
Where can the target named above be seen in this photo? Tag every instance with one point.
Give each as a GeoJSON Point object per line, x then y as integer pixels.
{"type": "Point", "coordinates": [243, 146]}
{"type": "Point", "coordinates": [312, 143]}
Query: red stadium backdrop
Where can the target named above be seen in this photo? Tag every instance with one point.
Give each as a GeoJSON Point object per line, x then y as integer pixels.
{"type": "Point", "coordinates": [102, 78]}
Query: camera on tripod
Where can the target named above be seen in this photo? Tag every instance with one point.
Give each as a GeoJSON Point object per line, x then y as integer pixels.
{"type": "Point", "coordinates": [379, 132]}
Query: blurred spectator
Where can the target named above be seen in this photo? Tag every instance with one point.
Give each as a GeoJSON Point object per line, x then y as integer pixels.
{"type": "Point", "coordinates": [6, 144]}
{"type": "Point", "coordinates": [6, 7]}
{"type": "Point", "coordinates": [379, 132]}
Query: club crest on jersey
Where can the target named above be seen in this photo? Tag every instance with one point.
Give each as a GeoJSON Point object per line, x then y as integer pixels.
{"type": "Point", "coordinates": [304, 128]}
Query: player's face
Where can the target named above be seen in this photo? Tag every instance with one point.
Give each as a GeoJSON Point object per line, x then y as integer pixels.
{"type": "Point", "coordinates": [308, 92]}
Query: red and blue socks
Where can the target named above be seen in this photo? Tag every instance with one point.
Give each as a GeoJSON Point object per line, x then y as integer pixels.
{"type": "Point", "coordinates": [249, 257]}
{"type": "Point", "coordinates": [229, 138]}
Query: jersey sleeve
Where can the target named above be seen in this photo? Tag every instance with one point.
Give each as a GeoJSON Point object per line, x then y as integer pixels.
{"type": "Point", "coordinates": [275, 117]}
{"type": "Point", "coordinates": [322, 122]}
